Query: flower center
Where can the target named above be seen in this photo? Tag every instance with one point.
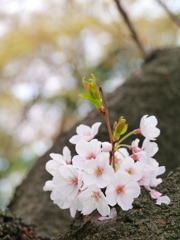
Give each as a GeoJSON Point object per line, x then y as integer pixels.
{"type": "Point", "coordinates": [95, 196]}
{"type": "Point", "coordinates": [87, 134]}
{"type": "Point", "coordinates": [90, 156]}
{"type": "Point", "coordinates": [120, 189]}
{"type": "Point", "coordinates": [73, 181]}
{"type": "Point", "coordinates": [130, 171]}
{"type": "Point", "coordinates": [99, 171]}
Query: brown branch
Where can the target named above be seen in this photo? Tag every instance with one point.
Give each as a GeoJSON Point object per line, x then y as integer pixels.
{"type": "Point", "coordinates": [171, 14]}
{"type": "Point", "coordinates": [131, 27]}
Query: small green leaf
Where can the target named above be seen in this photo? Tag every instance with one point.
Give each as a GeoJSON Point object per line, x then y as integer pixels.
{"type": "Point", "coordinates": [97, 103]}
{"type": "Point", "coordinates": [93, 94]}
{"type": "Point", "coordinates": [120, 128]}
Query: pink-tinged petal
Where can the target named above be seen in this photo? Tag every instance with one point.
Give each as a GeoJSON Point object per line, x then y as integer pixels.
{"type": "Point", "coordinates": [152, 120]}
{"type": "Point", "coordinates": [151, 148]}
{"type": "Point", "coordinates": [49, 186]}
{"type": "Point", "coordinates": [103, 207]}
{"type": "Point", "coordinates": [106, 146]}
{"type": "Point", "coordinates": [101, 183]}
{"type": "Point", "coordinates": [75, 139]}
{"type": "Point", "coordinates": [57, 157]}
{"type": "Point", "coordinates": [83, 147]}
{"type": "Point", "coordinates": [83, 130]}
{"type": "Point", "coordinates": [164, 199]}
{"type": "Point", "coordinates": [88, 179]}
{"type": "Point", "coordinates": [87, 208]}
{"type": "Point", "coordinates": [90, 166]}
{"type": "Point", "coordinates": [155, 194]}
{"type": "Point", "coordinates": [122, 177]}
{"type": "Point", "coordinates": [155, 134]}
{"type": "Point", "coordinates": [111, 197]}
{"type": "Point", "coordinates": [67, 155]}
{"type": "Point", "coordinates": [95, 128]}
{"type": "Point", "coordinates": [161, 170]}
{"type": "Point", "coordinates": [103, 218]}
{"type": "Point", "coordinates": [113, 213]}
{"type": "Point", "coordinates": [67, 171]}
{"type": "Point", "coordinates": [125, 202]}
{"type": "Point", "coordinates": [154, 182]}
{"type": "Point", "coordinates": [78, 161]}
{"type": "Point", "coordinates": [52, 166]}
{"type": "Point", "coordinates": [132, 189]}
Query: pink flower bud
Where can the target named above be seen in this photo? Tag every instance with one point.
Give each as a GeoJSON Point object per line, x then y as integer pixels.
{"type": "Point", "coordinates": [106, 147]}
{"type": "Point", "coordinates": [136, 149]}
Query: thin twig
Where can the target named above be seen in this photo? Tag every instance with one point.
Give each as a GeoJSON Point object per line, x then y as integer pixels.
{"type": "Point", "coordinates": [131, 27]}
{"type": "Point", "coordinates": [106, 115]}
{"type": "Point", "coordinates": [171, 14]}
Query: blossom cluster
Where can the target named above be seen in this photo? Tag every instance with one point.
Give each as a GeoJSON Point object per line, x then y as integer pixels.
{"type": "Point", "coordinates": [88, 181]}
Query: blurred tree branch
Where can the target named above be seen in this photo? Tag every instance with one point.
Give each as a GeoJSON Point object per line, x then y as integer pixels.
{"type": "Point", "coordinates": [131, 27]}
{"type": "Point", "coordinates": [171, 14]}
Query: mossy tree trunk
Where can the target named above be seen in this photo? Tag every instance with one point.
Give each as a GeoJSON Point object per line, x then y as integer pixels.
{"type": "Point", "coordinates": [153, 90]}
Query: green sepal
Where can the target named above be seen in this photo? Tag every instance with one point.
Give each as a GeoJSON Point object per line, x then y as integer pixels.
{"type": "Point", "coordinates": [120, 128]}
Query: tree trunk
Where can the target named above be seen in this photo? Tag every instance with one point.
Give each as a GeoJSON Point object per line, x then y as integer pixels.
{"type": "Point", "coordinates": [153, 90]}
{"type": "Point", "coordinates": [145, 221]}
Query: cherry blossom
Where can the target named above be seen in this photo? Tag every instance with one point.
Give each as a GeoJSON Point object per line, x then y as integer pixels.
{"type": "Point", "coordinates": [148, 127]}
{"type": "Point", "coordinates": [85, 133]}
{"type": "Point", "coordinates": [69, 181]}
{"type": "Point", "coordinates": [122, 191]}
{"type": "Point", "coordinates": [98, 171]}
{"type": "Point", "coordinates": [86, 151]}
{"type": "Point", "coordinates": [52, 166]}
{"type": "Point", "coordinates": [92, 198]}
{"type": "Point", "coordinates": [134, 169]}
{"type": "Point", "coordinates": [92, 181]}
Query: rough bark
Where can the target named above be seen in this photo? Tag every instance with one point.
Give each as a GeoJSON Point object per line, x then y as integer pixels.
{"type": "Point", "coordinates": [153, 90]}
{"type": "Point", "coordinates": [145, 221]}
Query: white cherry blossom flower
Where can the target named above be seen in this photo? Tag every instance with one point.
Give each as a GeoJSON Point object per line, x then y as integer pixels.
{"type": "Point", "coordinates": [52, 166]}
{"type": "Point", "coordinates": [163, 199]}
{"type": "Point", "coordinates": [122, 190]}
{"type": "Point", "coordinates": [86, 151]}
{"type": "Point", "coordinates": [69, 181]}
{"type": "Point", "coordinates": [85, 133]}
{"type": "Point", "coordinates": [98, 171]}
{"type": "Point", "coordinates": [135, 170]}
{"type": "Point", "coordinates": [150, 148]}
{"type": "Point", "coordinates": [92, 198]}
{"type": "Point", "coordinates": [148, 127]}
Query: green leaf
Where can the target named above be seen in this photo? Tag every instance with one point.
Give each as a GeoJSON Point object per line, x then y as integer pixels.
{"type": "Point", "coordinates": [97, 103]}
{"type": "Point", "coordinates": [120, 128]}
{"type": "Point", "coordinates": [93, 94]}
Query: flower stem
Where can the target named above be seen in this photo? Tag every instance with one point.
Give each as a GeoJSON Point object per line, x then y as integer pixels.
{"type": "Point", "coordinates": [126, 136]}
{"type": "Point", "coordinates": [106, 116]}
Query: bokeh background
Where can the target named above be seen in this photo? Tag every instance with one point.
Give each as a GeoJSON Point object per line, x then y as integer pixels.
{"type": "Point", "coordinates": [46, 47]}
